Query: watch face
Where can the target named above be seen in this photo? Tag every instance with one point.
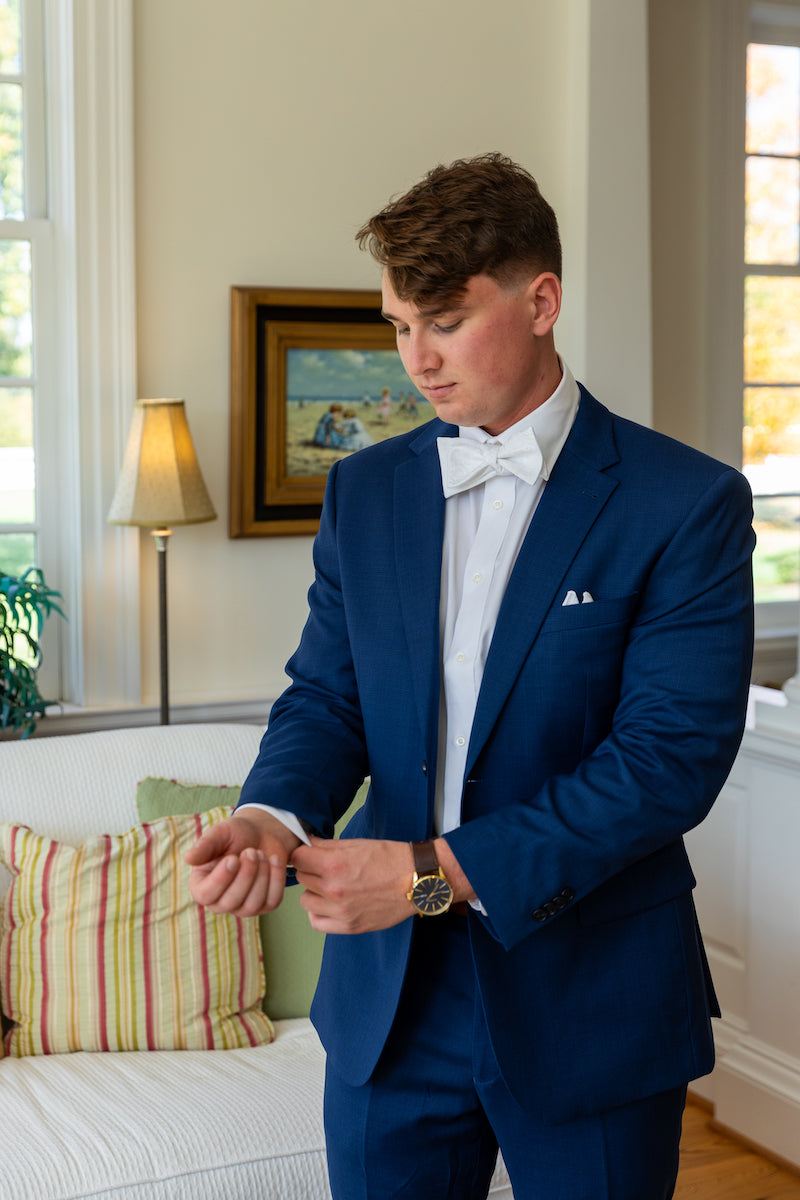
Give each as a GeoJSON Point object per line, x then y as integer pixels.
{"type": "Point", "coordinates": [432, 895]}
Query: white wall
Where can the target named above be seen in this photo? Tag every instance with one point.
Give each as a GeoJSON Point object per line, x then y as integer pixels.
{"type": "Point", "coordinates": [266, 133]}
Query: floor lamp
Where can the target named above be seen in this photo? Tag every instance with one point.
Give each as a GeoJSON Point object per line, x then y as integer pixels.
{"type": "Point", "coordinates": [160, 485]}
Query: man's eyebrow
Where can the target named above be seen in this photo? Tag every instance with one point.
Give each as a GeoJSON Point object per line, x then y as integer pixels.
{"type": "Point", "coordinates": [437, 311]}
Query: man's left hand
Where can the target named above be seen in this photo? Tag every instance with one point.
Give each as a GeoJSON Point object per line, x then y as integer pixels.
{"type": "Point", "coordinates": [356, 885]}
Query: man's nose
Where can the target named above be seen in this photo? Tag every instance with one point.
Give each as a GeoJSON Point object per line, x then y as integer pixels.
{"type": "Point", "coordinates": [420, 354]}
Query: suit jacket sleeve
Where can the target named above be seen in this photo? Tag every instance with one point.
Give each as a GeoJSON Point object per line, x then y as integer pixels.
{"type": "Point", "coordinates": [313, 757]}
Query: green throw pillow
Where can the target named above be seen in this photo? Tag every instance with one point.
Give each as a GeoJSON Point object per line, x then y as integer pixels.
{"type": "Point", "coordinates": [292, 949]}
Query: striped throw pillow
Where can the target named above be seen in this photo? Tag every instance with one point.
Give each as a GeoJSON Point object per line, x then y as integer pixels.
{"type": "Point", "coordinates": [103, 947]}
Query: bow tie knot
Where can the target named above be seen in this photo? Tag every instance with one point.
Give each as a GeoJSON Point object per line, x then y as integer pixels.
{"type": "Point", "coordinates": [466, 463]}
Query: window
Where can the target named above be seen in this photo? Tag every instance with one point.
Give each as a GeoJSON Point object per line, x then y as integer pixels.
{"type": "Point", "coordinates": [771, 383]}
{"type": "Point", "coordinates": [23, 243]}
{"type": "Point", "coordinates": [68, 332]}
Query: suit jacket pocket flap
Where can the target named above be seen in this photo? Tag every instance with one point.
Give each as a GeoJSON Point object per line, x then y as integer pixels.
{"type": "Point", "coordinates": [586, 615]}
{"type": "Point", "coordinates": [645, 884]}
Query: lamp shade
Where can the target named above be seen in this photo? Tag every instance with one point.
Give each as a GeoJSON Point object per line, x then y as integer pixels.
{"type": "Point", "coordinates": [160, 482]}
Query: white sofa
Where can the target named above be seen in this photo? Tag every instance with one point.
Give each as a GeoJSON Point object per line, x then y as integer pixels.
{"type": "Point", "coordinates": [183, 1125]}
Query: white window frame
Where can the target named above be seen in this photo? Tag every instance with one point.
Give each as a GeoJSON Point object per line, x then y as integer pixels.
{"type": "Point", "coordinates": [33, 227]}
{"type": "Point", "coordinates": [733, 24]}
{"type": "Point", "coordinates": [85, 357]}
{"type": "Point", "coordinates": [36, 228]}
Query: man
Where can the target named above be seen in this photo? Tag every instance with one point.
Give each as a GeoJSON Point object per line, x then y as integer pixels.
{"type": "Point", "coordinates": [531, 626]}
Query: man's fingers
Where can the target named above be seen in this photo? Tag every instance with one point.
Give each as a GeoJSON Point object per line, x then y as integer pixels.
{"type": "Point", "coordinates": [238, 867]}
{"type": "Point", "coordinates": [277, 881]}
{"type": "Point", "coordinates": [209, 882]}
{"type": "Point", "coordinates": [309, 859]}
{"type": "Point", "coordinates": [236, 884]}
{"type": "Point", "coordinates": [246, 894]}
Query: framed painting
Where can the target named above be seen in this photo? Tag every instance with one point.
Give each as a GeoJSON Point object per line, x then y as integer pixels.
{"type": "Point", "coordinates": [315, 376]}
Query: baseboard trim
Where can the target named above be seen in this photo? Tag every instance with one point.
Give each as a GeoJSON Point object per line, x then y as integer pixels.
{"type": "Point", "coordinates": [697, 1101]}
{"type": "Point", "coordinates": [756, 1096]}
{"type": "Point", "coordinates": [785, 1164]}
{"type": "Point", "coordinates": [756, 1063]}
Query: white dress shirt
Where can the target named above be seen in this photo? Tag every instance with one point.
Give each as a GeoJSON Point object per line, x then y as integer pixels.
{"type": "Point", "coordinates": [484, 528]}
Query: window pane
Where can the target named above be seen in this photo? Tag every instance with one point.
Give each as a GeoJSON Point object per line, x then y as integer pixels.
{"type": "Point", "coordinates": [10, 58]}
{"type": "Point", "coordinates": [11, 195]}
{"type": "Point", "coordinates": [772, 329]}
{"type": "Point", "coordinates": [772, 431]}
{"type": "Point", "coordinates": [15, 309]}
{"type": "Point", "coordinates": [17, 472]}
{"type": "Point", "coordinates": [776, 562]}
{"type": "Point", "coordinates": [772, 201]}
{"type": "Point", "coordinates": [773, 99]}
{"type": "Point", "coordinates": [17, 552]}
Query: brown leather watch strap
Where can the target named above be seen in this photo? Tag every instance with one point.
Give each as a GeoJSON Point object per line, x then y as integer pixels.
{"type": "Point", "coordinates": [425, 858]}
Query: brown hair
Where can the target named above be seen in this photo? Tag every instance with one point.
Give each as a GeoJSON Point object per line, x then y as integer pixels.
{"type": "Point", "coordinates": [479, 215]}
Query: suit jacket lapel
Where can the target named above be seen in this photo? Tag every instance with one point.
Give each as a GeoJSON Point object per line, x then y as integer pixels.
{"type": "Point", "coordinates": [572, 500]}
{"type": "Point", "coordinates": [419, 531]}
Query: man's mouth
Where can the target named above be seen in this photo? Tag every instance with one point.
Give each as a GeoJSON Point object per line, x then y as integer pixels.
{"type": "Point", "coordinates": [438, 391]}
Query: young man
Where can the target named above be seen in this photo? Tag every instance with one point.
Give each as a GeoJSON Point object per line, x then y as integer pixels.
{"type": "Point", "coordinates": [531, 626]}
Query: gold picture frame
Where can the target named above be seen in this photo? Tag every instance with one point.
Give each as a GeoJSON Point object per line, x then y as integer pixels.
{"type": "Point", "coordinates": [301, 357]}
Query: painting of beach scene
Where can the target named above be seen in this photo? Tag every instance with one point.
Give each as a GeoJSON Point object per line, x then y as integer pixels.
{"type": "Point", "coordinates": [339, 401]}
{"type": "Point", "coordinates": [315, 377]}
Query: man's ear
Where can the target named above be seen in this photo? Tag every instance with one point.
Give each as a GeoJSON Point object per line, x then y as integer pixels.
{"type": "Point", "coordinates": [544, 297]}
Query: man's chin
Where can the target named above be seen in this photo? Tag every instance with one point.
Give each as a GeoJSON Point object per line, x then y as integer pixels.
{"type": "Point", "coordinates": [450, 411]}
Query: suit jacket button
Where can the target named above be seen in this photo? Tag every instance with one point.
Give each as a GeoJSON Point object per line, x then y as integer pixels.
{"type": "Point", "coordinates": [539, 915]}
{"type": "Point", "coordinates": [567, 894]}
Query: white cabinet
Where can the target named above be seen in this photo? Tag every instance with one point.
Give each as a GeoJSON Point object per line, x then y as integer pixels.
{"type": "Point", "coordinates": [746, 856]}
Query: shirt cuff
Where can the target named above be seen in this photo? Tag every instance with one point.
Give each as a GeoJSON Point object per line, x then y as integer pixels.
{"type": "Point", "coordinates": [292, 822]}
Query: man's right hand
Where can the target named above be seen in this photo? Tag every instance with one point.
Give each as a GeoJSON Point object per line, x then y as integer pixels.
{"type": "Point", "coordinates": [239, 866]}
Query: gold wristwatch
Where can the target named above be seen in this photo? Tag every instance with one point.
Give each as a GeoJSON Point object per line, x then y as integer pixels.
{"type": "Point", "coordinates": [430, 893]}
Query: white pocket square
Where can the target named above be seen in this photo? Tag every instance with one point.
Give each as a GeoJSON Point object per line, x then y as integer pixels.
{"type": "Point", "coordinates": [572, 598]}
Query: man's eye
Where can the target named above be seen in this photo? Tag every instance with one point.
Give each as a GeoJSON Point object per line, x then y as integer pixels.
{"type": "Point", "coordinates": [448, 328]}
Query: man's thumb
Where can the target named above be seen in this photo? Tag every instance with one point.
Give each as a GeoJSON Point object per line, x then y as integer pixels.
{"type": "Point", "coordinates": [211, 845]}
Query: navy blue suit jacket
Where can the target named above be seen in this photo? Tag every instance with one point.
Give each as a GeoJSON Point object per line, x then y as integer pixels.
{"type": "Point", "coordinates": [603, 732]}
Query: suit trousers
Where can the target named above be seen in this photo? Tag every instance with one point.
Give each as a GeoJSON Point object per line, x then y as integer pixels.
{"type": "Point", "coordinates": [429, 1120]}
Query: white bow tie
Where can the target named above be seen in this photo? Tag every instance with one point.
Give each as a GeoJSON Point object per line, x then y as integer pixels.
{"type": "Point", "coordinates": [466, 463]}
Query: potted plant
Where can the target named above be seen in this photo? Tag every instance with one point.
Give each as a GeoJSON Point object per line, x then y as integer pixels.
{"type": "Point", "coordinates": [25, 604]}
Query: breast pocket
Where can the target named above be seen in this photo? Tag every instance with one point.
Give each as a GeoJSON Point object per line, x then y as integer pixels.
{"type": "Point", "coordinates": [590, 614]}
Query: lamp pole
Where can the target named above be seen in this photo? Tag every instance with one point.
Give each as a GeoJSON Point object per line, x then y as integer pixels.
{"type": "Point", "coordinates": [161, 536]}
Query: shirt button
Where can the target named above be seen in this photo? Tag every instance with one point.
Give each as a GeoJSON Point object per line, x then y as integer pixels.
{"type": "Point", "coordinates": [460, 657]}
{"type": "Point", "coordinates": [477, 577]}
{"type": "Point", "coordinates": [461, 741]}
{"type": "Point", "coordinates": [498, 504]}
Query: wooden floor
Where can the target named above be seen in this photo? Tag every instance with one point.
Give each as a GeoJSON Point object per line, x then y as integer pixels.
{"type": "Point", "coordinates": [715, 1167]}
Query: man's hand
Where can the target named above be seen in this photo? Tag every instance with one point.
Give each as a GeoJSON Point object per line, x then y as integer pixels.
{"type": "Point", "coordinates": [355, 885]}
{"type": "Point", "coordinates": [239, 866]}
{"type": "Point", "coordinates": [358, 885]}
